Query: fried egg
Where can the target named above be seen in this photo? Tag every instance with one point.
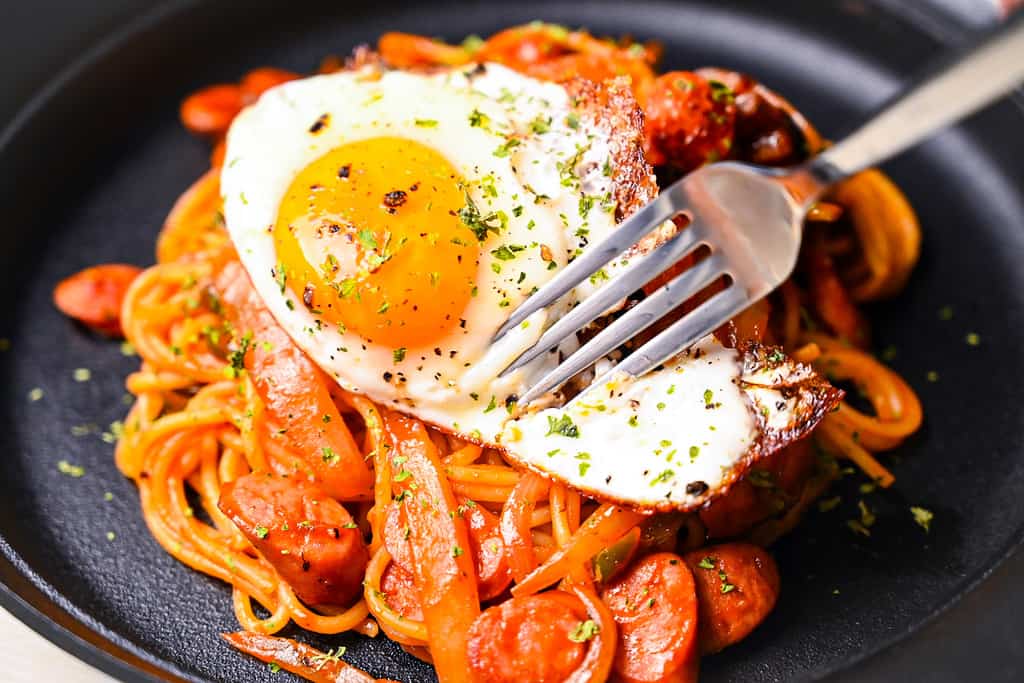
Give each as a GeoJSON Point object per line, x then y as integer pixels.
{"type": "Point", "coordinates": [392, 221]}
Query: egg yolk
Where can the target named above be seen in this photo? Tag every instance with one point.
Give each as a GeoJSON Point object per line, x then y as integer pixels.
{"type": "Point", "coordinates": [369, 238]}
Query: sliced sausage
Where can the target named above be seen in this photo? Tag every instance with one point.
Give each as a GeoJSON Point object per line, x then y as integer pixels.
{"type": "Point", "coordinates": [655, 607]}
{"type": "Point", "coordinates": [258, 81]}
{"type": "Point", "coordinates": [530, 638]}
{"type": "Point", "coordinates": [688, 120]}
{"type": "Point", "coordinates": [308, 536]}
{"type": "Point", "coordinates": [400, 592]}
{"type": "Point", "coordinates": [211, 110]}
{"type": "Point", "coordinates": [300, 659]}
{"type": "Point", "coordinates": [93, 296]}
{"type": "Point", "coordinates": [737, 586]}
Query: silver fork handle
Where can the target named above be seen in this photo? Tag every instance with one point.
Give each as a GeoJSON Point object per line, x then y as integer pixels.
{"type": "Point", "coordinates": [950, 92]}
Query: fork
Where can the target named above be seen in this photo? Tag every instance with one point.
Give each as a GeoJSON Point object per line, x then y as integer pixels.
{"type": "Point", "coordinates": [750, 219]}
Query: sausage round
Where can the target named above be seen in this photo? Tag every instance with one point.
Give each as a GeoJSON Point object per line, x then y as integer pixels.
{"type": "Point", "coordinates": [655, 607]}
{"type": "Point", "coordinates": [737, 586]}
{"type": "Point", "coordinates": [527, 638]}
{"type": "Point", "coordinates": [307, 536]}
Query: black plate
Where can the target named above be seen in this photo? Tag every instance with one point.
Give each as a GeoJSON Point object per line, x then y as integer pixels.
{"type": "Point", "coordinates": [93, 165]}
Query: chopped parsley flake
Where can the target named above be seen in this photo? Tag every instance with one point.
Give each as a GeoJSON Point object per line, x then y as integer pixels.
{"type": "Point", "coordinates": [762, 479]}
{"type": "Point", "coordinates": [856, 527]}
{"type": "Point", "coordinates": [261, 531]}
{"type": "Point", "coordinates": [707, 563]}
{"type": "Point", "coordinates": [329, 456]}
{"type": "Point", "coordinates": [478, 119]}
{"type": "Point", "coordinates": [829, 504]}
{"type": "Point", "coordinates": [584, 466]}
{"type": "Point", "coordinates": [564, 426]}
{"type": "Point", "coordinates": [491, 405]}
{"type": "Point", "coordinates": [867, 517]}
{"type": "Point", "coordinates": [367, 238]}
{"type": "Point", "coordinates": [280, 274]}
{"type": "Point", "coordinates": [480, 224]}
{"type": "Point", "coordinates": [403, 475]}
{"type": "Point", "coordinates": [472, 43]}
{"type": "Point", "coordinates": [398, 355]}
{"type": "Point", "coordinates": [663, 477]}
{"type": "Point", "coordinates": [585, 205]}
{"type": "Point", "coordinates": [505, 149]}
{"type": "Point", "coordinates": [720, 92]}
{"type": "Point", "coordinates": [329, 656]}
{"type": "Point", "coordinates": [426, 123]}
{"type": "Point", "coordinates": [922, 516]}
{"type": "Point", "coordinates": [75, 471]}
{"type": "Point", "coordinates": [236, 358]}
{"type": "Point", "coordinates": [507, 252]}
{"type": "Point", "coordinates": [584, 631]}
{"type": "Point", "coordinates": [457, 551]}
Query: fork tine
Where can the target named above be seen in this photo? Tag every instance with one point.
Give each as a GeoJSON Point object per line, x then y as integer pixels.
{"type": "Point", "coordinates": [621, 286]}
{"type": "Point", "coordinates": [683, 333]}
{"type": "Point", "coordinates": [636, 320]}
{"type": "Point", "coordinates": [628, 233]}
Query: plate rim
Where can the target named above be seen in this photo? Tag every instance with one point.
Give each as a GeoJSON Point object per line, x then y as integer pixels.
{"type": "Point", "coordinates": [29, 603]}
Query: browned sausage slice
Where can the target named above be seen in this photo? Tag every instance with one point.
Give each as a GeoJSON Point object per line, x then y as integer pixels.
{"type": "Point", "coordinates": [655, 607]}
{"type": "Point", "coordinates": [308, 536]}
{"type": "Point", "coordinates": [93, 296]}
{"type": "Point", "coordinates": [737, 586]}
{"type": "Point", "coordinates": [528, 638]}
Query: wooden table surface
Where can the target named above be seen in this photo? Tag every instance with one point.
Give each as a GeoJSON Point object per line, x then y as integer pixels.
{"type": "Point", "coordinates": [29, 658]}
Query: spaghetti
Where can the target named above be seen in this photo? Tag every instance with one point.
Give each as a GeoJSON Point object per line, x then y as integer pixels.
{"type": "Point", "coordinates": [202, 420]}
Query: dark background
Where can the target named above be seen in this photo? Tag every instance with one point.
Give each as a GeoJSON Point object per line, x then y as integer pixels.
{"type": "Point", "coordinates": [38, 38]}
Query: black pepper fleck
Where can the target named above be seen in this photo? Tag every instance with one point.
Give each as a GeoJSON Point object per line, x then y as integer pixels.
{"type": "Point", "coordinates": [395, 198]}
{"type": "Point", "coordinates": [695, 488]}
{"type": "Point", "coordinates": [320, 123]}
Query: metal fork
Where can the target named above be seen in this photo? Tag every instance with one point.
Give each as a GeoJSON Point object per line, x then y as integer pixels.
{"type": "Point", "coordinates": [751, 219]}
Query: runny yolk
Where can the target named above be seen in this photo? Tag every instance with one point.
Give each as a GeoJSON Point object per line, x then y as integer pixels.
{"type": "Point", "coordinates": [368, 237]}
